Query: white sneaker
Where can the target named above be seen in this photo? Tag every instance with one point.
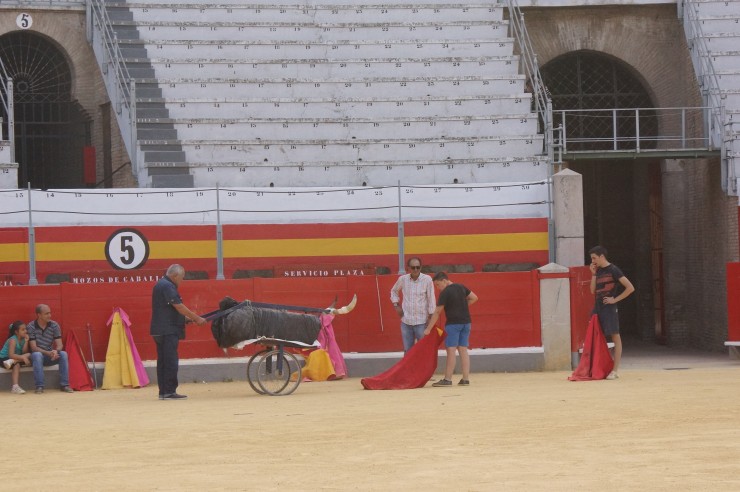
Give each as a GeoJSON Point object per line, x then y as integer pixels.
{"type": "Point", "coordinates": [8, 363]}
{"type": "Point", "coordinates": [612, 375]}
{"type": "Point", "coordinates": [17, 390]}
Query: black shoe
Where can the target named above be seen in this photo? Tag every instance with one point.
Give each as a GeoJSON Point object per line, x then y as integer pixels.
{"type": "Point", "coordinates": [173, 396]}
{"type": "Point", "coordinates": [442, 382]}
{"type": "Point", "coordinates": [464, 382]}
{"type": "Point", "coordinates": [66, 389]}
{"type": "Point", "coordinates": [161, 397]}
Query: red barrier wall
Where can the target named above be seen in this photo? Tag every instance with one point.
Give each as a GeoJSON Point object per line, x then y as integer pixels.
{"type": "Point", "coordinates": [733, 302]}
{"type": "Point", "coordinates": [581, 305]}
{"type": "Point", "coordinates": [507, 314]}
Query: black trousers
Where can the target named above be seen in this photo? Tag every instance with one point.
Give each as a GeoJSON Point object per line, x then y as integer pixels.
{"type": "Point", "coordinates": [167, 363]}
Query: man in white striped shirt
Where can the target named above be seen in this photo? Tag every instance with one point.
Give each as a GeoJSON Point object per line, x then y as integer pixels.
{"type": "Point", "coordinates": [417, 290]}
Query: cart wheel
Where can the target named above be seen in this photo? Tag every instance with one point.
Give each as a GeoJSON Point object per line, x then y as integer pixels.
{"type": "Point", "coordinates": [252, 371]}
{"type": "Point", "coordinates": [278, 372]}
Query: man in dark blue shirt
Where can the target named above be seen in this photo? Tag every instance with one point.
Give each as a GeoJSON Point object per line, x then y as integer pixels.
{"type": "Point", "coordinates": [607, 280]}
{"type": "Point", "coordinates": [168, 328]}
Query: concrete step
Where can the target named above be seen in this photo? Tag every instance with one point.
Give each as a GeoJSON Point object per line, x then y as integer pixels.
{"type": "Point", "coordinates": [726, 41]}
{"type": "Point", "coordinates": [716, 7]}
{"type": "Point", "coordinates": [256, 50]}
{"type": "Point", "coordinates": [726, 60]}
{"type": "Point", "coordinates": [333, 173]}
{"type": "Point", "coordinates": [336, 88]}
{"type": "Point", "coordinates": [327, 13]}
{"type": "Point", "coordinates": [720, 23]}
{"type": "Point", "coordinates": [273, 33]}
{"type": "Point", "coordinates": [321, 68]}
{"type": "Point", "coordinates": [345, 128]}
{"type": "Point", "coordinates": [326, 108]}
{"type": "Point", "coordinates": [277, 152]}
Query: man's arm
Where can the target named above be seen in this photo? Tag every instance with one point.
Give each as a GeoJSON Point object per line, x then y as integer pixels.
{"type": "Point", "coordinates": [396, 298]}
{"type": "Point", "coordinates": [628, 290]}
{"type": "Point", "coordinates": [183, 309]}
{"type": "Point", "coordinates": [472, 298]}
{"type": "Point", "coordinates": [592, 285]}
{"type": "Point", "coordinates": [433, 319]}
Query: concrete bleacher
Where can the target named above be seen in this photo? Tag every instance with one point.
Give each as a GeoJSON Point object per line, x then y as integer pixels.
{"type": "Point", "coordinates": [424, 93]}
{"type": "Point", "coordinates": [716, 37]}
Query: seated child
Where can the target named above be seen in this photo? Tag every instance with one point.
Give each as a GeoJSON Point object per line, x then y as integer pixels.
{"type": "Point", "coordinates": [14, 353]}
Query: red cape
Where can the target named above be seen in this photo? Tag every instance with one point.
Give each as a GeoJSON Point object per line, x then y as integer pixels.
{"type": "Point", "coordinates": [596, 361]}
{"type": "Point", "coordinates": [414, 370]}
{"type": "Point", "coordinates": [79, 374]}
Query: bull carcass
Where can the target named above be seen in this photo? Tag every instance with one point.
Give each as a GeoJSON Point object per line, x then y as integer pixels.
{"type": "Point", "coordinates": [236, 323]}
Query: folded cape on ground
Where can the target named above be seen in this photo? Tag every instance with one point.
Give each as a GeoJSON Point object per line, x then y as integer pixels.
{"type": "Point", "coordinates": [79, 374]}
{"type": "Point", "coordinates": [414, 370]}
{"type": "Point", "coordinates": [123, 366]}
{"type": "Point", "coordinates": [596, 361]}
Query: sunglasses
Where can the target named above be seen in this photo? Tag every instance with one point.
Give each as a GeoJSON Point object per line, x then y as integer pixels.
{"type": "Point", "coordinates": [415, 267]}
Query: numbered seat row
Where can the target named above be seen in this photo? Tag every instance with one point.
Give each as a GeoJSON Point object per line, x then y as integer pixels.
{"type": "Point", "coordinates": [345, 128]}
{"type": "Point", "coordinates": [235, 31]}
{"type": "Point", "coordinates": [279, 151]}
{"type": "Point", "coordinates": [321, 68]}
{"type": "Point", "coordinates": [339, 89]}
{"type": "Point", "coordinates": [265, 50]}
{"type": "Point", "coordinates": [421, 107]}
{"type": "Point", "coordinates": [238, 174]}
{"type": "Point", "coordinates": [293, 13]}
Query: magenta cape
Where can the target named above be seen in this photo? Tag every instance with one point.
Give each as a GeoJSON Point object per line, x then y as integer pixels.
{"type": "Point", "coordinates": [596, 361]}
{"type": "Point", "coordinates": [414, 370]}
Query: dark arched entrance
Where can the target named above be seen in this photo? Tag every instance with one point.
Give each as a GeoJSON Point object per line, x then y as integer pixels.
{"type": "Point", "coordinates": [622, 198]}
{"type": "Point", "coordinates": [50, 128]}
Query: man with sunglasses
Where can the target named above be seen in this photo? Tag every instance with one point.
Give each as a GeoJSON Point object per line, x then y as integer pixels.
{"type": "Point", "coordinates": [413, 299]}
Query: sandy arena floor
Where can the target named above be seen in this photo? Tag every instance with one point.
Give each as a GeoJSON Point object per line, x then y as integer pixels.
{"type": "Point", "coordinates": [653, 429]}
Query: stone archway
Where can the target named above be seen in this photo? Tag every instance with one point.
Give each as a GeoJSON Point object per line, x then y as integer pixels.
{"type": "Point", "coordinates": [51, 128]}
{"type": "Point", "coordinates": [620, 196]}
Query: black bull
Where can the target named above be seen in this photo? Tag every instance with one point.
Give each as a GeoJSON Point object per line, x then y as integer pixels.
{"type": "Point", "coordinates": [247, 322]}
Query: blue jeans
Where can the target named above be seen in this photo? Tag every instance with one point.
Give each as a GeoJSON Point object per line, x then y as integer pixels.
{"type": "Point", "coordinates": [411, 334]}
{"type": "Point", "coordinates": [40, 361]}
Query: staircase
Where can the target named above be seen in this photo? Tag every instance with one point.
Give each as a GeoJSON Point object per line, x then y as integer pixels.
{"type": "Point", "coordinates": [713, 33]}
{"type": "Point", "coordinates": [338, 94]}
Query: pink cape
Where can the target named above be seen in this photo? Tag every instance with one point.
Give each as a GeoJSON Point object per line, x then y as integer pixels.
{"type": "Point", "coordinates": [596, 361]}
{"type": "Point", "coordinates": [414, 370]}
{"type": "Point", "coordinates": [329, 343]}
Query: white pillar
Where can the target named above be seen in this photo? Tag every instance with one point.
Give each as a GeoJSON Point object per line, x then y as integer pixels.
{"type": "Point", "coordinates": [555, 316]}
{"type": "Point", "coordinates": [568, 216]}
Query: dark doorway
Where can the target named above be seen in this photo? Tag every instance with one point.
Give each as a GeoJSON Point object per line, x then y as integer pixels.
{"type": "Point", "coordinates": [617, 207]}
{"type": "Point", "coordinates": [50, 128]}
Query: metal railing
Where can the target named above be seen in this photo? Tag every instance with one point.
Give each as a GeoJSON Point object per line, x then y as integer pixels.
{"type": "Point", "coordinates": [121, 87]}
{"type": "Point", "coordinates": [634, 129]}
{"type": "Point", "coordinates": [76, 4]}
{"type": "Point", "coordinates": [709, 85]}
{"type": "Point", "coordinates": [6, 99]}
{"type": "Point", "coordinates": [530, 67]}
{"type": "Point", "coordinates": [541, 99]}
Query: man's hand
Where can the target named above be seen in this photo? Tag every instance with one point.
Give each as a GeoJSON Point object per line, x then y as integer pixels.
{"type": "Point", "coordinates": [399, 310]}
{"type": "Point", "coordinates": [593, 267]}
{"type": "Point", "coordinates": [53, 355]}
{"type": "Point", "coordinates": [200, 321]}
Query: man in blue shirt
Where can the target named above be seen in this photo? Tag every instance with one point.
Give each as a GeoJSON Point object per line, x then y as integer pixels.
{"type": "Point", "coordinates": [168, 328]}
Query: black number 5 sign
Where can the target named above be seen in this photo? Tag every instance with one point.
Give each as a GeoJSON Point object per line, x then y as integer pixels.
{"type": "Point", "coordinates": [24, 21]}
{"type": "Point", "coordinates": [126, 249]}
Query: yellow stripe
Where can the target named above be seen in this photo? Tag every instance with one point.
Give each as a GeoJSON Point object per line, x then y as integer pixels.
{"type": "Point", "coordinates": [271, 248]}
{"type": "Point", "coordinates": [13, 252]}
{"type": "Point", "coordinates": [70, 251]}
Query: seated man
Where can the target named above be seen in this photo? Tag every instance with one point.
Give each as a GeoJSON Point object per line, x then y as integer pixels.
{"type": "Point", "coordinates": [45, 337]}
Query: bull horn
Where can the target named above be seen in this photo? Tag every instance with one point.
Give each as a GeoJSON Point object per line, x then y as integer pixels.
{"type": "Point", "coordinates": [346, 309]}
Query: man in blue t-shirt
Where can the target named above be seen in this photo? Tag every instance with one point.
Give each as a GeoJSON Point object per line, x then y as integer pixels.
{"type": "Point", "coordinates": [454, 299]}
{"type": "Point", "coordinates": [606, 282]}
{"type": "Point", "coordinates": [168, 328]}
